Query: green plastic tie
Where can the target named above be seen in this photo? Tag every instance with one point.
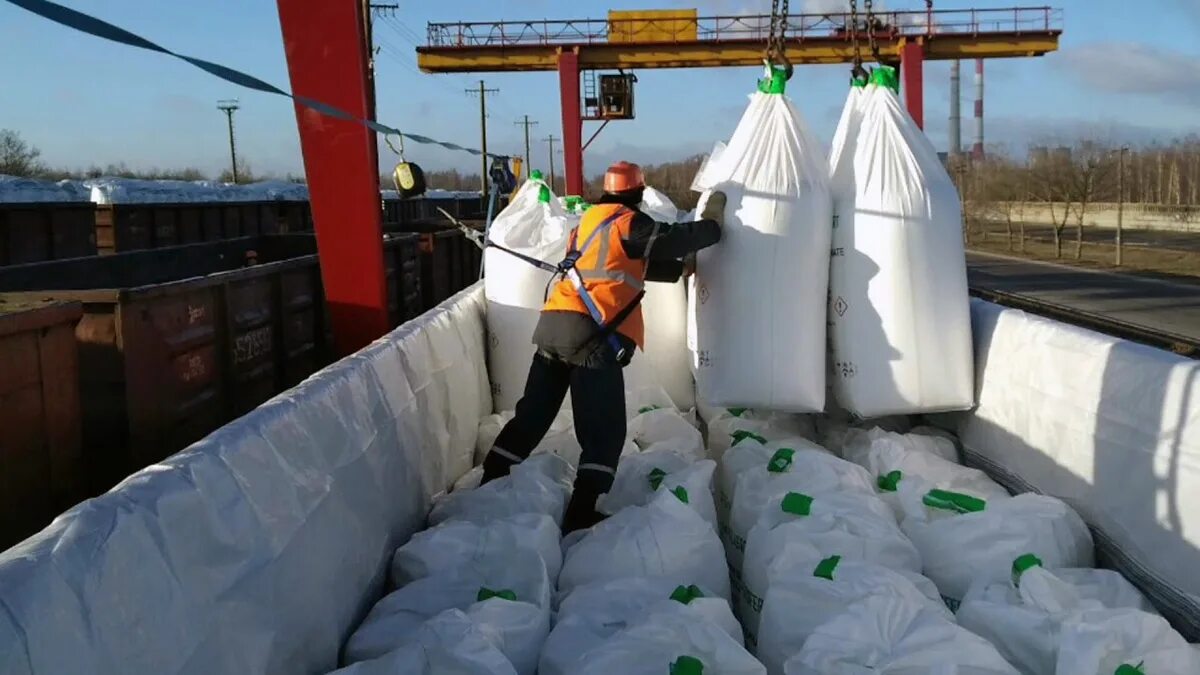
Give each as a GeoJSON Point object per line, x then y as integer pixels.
{"type": "Point", "coordinates": [885, 76]}
{"type": "Point", "coordinates": [687, 665]}
{"type": "Point", "coordinates": [536, 174]}
{"type": "Point", "coordinates": [797, 504]}
{"type": "Point", "coordinates": [775, 82]}
{"type": "Point", "coordinates": [680, 494]}
{"type": "Point", "coordinates": [742, 434]}
{"type": "Point", "coordinates": [544, 194]}
{"type": "Point", "coordinates": [889, 481]}
{"type": "Point", "coordinates": [1023, 563]}
{"type": "Point", "coordinates": [737, 412]}
{"type": "Point", "coordinates": [781, 461]}
{"type": "Point", "coordinates": [858, 82]}
{"type": "Point", "coordinates": [826, 567]}
{"type": "Point", "coordinates": [486, 593]}
{"type": "Point", "coordinates": [953, 501]}
{"type": "Point", "coordinates": [1126, 669]}
{"type": "Point", "coordinates": [656, 477]}
{"type": "Point", "coordinates": [686, 594]}
{"type": "Point", "coordinates": [648, 408]}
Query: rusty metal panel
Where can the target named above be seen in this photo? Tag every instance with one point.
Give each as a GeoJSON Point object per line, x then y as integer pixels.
{"type": "Point", "coordinates": [302, 328]}
{"type": "Point", "coordinates": [38, 232]}
{"type": "Point", "coordinates": [173, 375]}
{"type": "Point", "coordinates": [249, 341]}
{"type": "Point", "coordinates": [652, 25]}
{"type": "Point", "coordinates": [165, 231]}
{"type": "Point", "coordinates": [133, 227]}
{"type": "Point", "coordinates": [189, 224]}
{"type": "Point", "coordinates": [39, 413]}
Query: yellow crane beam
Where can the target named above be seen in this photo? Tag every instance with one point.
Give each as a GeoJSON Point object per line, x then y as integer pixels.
{"type": "Point", "coordinates": [708, 54]}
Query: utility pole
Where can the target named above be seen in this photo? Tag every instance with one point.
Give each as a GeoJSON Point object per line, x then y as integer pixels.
{"type": "Point", "coordinates": [527, 124]}
{"type": "Point", "coordinates": [1120, 201]}
{"type": "Point", "coordinates": [369, 11]}
{"type": "Point", "coordinates": [550, 139]}
{"type": "Point", "coordinates": [483, 91]}
{"type": "Point", "coordinates": [228, 106]}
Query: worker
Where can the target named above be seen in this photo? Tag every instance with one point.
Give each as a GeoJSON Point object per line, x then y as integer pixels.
{"type": "Point", "coordinates": [619, 248]}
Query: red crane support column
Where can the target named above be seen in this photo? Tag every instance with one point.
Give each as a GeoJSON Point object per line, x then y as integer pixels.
{"type": "Point", "coordinates": [912, 67]}
{"type": "Point", "coordinates": [326, 62]}
{"type": "Point", "coordinates": [568, 82]}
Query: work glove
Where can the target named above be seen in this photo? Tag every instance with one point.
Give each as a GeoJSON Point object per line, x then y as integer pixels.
{"type": "Point", "coordinates": [715, 208]}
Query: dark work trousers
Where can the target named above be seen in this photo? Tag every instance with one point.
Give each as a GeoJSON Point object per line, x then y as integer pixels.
{"type": "Point", "coordinates": [598, 403]}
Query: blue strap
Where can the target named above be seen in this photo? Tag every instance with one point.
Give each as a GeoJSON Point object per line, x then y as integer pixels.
{"type": "Point", "coordinates": [102, 29]}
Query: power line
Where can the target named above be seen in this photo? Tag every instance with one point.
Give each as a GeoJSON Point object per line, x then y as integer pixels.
{"type": "Point", "coordinates": [527, 123]}
{"type": "Point", "coordinates": [483, 91]}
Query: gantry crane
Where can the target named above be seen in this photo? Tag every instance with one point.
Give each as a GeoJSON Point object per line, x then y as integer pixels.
{"type": "Point", "coordinates": [682, 39]}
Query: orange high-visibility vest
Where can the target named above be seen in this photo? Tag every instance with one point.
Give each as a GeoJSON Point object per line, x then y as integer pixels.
{"type": "Point", "coordinates": [612, 279]}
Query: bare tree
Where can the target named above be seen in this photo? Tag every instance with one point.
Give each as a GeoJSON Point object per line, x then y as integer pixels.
{"type": "Point", "coordinates": [1088, 172]}
{"type": "Point", "coordinates": [18, 158]}
{"type": "Point", "coordinates": [1049, 173]}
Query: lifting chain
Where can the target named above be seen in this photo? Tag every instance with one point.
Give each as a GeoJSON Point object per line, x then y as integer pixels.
{"type": "Point", "coordinates": [777, 36]}
{"type": "Point", "coordinates": [871, 29]}
{"type": "Point", "coordinates": [856, 70]}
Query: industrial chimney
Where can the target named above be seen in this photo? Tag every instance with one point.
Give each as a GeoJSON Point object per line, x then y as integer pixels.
{"type": "Point", "coordinates": [955, 146]}
{"type": "Point", "coordinates": [977, 150]}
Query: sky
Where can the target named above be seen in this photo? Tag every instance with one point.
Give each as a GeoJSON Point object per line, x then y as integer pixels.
{"type": "Point", "coordinates": [1127, 72]}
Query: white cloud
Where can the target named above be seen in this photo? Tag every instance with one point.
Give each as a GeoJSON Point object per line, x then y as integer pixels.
{"type": "Point", "coordinates": [1131, 68]}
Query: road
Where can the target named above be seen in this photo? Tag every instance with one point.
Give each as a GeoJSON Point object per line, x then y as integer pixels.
{"type": "Point", "coordinates": [1150, 303]}
{"type": "Point", "coordinates": [1160, 239]}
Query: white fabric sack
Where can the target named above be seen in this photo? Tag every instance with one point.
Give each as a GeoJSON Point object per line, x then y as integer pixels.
{"type": "Point", "coordinates": [458, 542]}
{"type": "Point", "coordinates": [666, 538]}
{"type": "Point", "coordinates": [541, 484]}
{"type": "Point", "coordinates": [664, 361]}
{"type": "Point", "coordinates": [594, 613]}
{"type": "Point", "coordinates": [725, 429]}
{"type": "Point", "coordinates": [906, 466]}
{"type": "Point", "coordinates": [449, 643]}
{"type": "Point", "coordinates": [807, 471]}
{"type": "Point", "coordinates": [661, 638]}
{"type": "Point", "coordinates": [516, 289]}
{"type": "Point", "coordinates": [858, 444]}
{"type": "Point", "coordinates": [761, 291]}
{"type": "Point", "coordinates": [798, 601]}
{"type": "Point", "coordinates": [890, 636]}
{"type": "Point", "coordinates": [960, 549]}
{"type": "Point", "coordinates": [1023, 621]}
{"type": "Point", "coordinates": [1098, 642]}
{"type": "Point", "coordinates": [900, 323]}
{"type": "Point", "coordinates": [469, 480]}
{"type": "Point", "coordinates": [853, 526]}
{"type": "Point", "coordinates": [644, 398]}
{"type": "Point", "coordinates": [640, 477]}
{"type": "Point", "coordinates": [666, 424]}
{"type": "Point", "coordinates": [395, 618]}
{"type": "Point", "coordinates": [489, 429]}
{"type": "Point", "coordinates": [747, 454]}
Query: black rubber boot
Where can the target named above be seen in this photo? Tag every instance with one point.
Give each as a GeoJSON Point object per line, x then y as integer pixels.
{"type": "Point", "coordinates": [581, 511]}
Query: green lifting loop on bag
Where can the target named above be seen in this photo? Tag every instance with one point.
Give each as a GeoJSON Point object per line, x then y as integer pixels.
{"type": "Point", "coordinates": [656, 477]}
{"type": "Point", "coordinates": [885, 76]}
{"type": "Point", "coordinates": [1023, 563]}
{"type": "Point", "coordinates": [486, 593]}
{"type": "Point", "coordinates": [890, 481]}
{"type": "Point", "coordinates": [687, 665]}
{"type": "Point", "coordinates": [781, 461]}
{"type": "Point", "coordinates": [742, 434]}
{"type": "Point", "coordinates": [953, 501]}
{"type": "Point", "coordinates": [686, 594]}
{"type": "Point", "coordinates": [797, 504]}
{"type": "Point", "coordinates": [826, 567]}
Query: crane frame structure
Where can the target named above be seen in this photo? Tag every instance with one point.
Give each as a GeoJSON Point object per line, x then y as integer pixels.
{"type": "Point", "coordinates": [682, 39]}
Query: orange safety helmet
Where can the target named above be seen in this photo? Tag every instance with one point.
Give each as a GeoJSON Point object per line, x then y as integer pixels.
{"type": "Point", "coordinates": [623, 176]}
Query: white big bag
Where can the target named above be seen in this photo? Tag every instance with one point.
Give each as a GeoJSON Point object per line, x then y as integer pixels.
{"type": "Point", "coordinates": [1023, 617]}
{"type": "Point", "coordinates": [804, 593]}
{"type": "Point", "coordinates": [533, 224]}
{"type": "Point", "coordinates": [900, 326]}
{"type": "Point", "coordinates": [664, 539]}
{"type": "Point", "coordinates": [458, 542]}
{"type": "Point", "coordinates": [518, 583]}
{"type": "Point", "coordinates": [541, 484]}
{"type": "Point", "coordinates": [964, 540]}
{"type": "Point", "coordinates": [449, 643]}
{"type": "Point", "coordinates": [641, 476]}
{"type": "Point", "coordinates": [670, 639]}
{"type": "Point", "coordinates": [761, 292]}
{"type": "Point", "coordinates": [892, 636]}
{"type": "Point", "coordinates": [1123, 642]}
{"type": "Point", "coordinates": [853, 526]}
{"type": "Point", "coordinates": [594, 613]}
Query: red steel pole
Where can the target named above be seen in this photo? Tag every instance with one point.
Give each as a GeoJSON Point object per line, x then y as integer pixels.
{"type": "Point", "coordinates": [568, 81]}
{"type": "Point", "coordinates": [326, 62]}
{"type": "Point", "coordinates": [912, 66]}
